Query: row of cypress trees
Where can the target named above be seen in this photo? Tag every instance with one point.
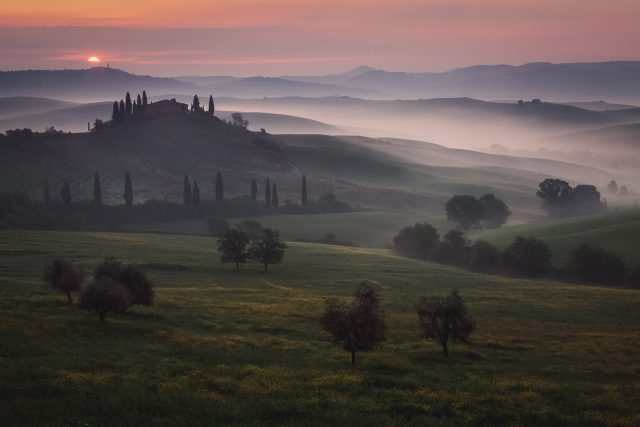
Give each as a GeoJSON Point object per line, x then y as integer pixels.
{"type": "Point", "coordinates": [126, 108]}
{"type": "Point", "coordinates": [190, 193]}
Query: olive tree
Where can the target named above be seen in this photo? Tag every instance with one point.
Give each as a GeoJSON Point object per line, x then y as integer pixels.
{"type": "Point", "coordinates": [358, 325]}
{"type": "Point", "coordinates": [268, 249]}
{"type": "Point", "coordinates": [103, 295]}
{"type": "Point", "coordinates": [63, 276]}
{"type": "Point", "coordinates": [445, 319]}
{"type": "Point", "coordinates": [232, 247]}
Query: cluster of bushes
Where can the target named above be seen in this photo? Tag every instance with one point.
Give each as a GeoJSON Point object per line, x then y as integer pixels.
{"type": "Point", "coordinates": [236, 247]}
{"type": "Point", "coordinates": [526, 256]}
{"type": "Point", "coordinates": [562, 200]}
{"type": "Point", "coordinates": [114, 287]}
{"type": "Point", "coordinates": [360, 325]}
{"type": "Point", "coordinates": [469, 212]}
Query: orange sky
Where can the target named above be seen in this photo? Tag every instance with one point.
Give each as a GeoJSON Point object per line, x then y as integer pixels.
{"type": "Point", "coordinates": [305, 36]}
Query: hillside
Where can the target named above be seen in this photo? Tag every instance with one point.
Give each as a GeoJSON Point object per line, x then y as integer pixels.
{"type": "Point", "coordinates": [72, 118]}
{"type": "Point", "coordinates": [26, 105]}
{"type": "Point", "coordinates": [617, 231]}
{"type": "Point", "coordinates": [88, 85]}
{"type": "Point", "coordinates": [606, 140]}
{"type": "Point", "coordinates": [241, 348]}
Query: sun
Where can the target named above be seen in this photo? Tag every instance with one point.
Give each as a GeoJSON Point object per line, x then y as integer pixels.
{"type": "Point", "coordinates": [94, 59]}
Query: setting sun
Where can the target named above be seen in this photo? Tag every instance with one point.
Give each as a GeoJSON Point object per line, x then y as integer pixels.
{"type": "Point", "coordinates": [93, 59]}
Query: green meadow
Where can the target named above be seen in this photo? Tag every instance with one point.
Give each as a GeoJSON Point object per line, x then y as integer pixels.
{"type": "Point", "coordinates": [226, 348]}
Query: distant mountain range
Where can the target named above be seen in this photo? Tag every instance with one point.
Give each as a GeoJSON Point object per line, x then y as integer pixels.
{"type": "Point", "coordinates": [614, 82]}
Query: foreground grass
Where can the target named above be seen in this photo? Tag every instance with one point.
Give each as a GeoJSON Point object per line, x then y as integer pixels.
{"type": "Point", "coordinates": [220, 347]}
{"type": "Point", "coordinates": [616, 231]}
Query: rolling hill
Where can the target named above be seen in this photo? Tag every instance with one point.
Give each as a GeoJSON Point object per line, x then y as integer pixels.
{"type": "Point", "coordinates": [16, 106]}
{"type": "Point", "coordinates": [224, 347]}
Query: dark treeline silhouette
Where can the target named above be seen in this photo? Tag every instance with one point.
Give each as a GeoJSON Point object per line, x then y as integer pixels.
{"type": "Point", "coordinates": [526, 257]}
{"type": "Point", "coordinates": [468, 212]}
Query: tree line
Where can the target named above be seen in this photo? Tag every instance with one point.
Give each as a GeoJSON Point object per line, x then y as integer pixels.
{"type": "Point", "coordinates": [525, 256]}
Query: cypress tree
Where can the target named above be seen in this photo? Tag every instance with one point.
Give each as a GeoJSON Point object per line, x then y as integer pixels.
{"type": "Point", "coordinates": [122, 112]}
{"type": "Point", "coordinates": [212, 107]}
{"type": "Point", "coordinates": [303, 193]}
{"type": "Point", "coordinates": [195, 106]}
{"type": "Point", "coordinates": [195, 195]}
{"type": "Point", "coordinates": [65, 194]}
{"type": "Point", "coordinates": [46, 193]}
{"type": "Point", "coordinates": [127, 104]}
{"type": "Point", "coordinates": [274, 197]}
{"type": "Point", "coordinates": [135, 108]}
{"type": "Point", "coordinates": [267, 194]}
{"type": "Point", "coordinates": [254, 190]}
{"type": "Point", "coordinates": [187, 196]}
{"type": "Point", "coordinates": [97, 190]}
{"type": "Point", "coordinates": [115, 115]}
{"type": "Point", "coordinates": [219, 188]}
{"type": "Point", "coordinates": [139, 101]}
{"type": "Point", "coordinates": [144, 101]}
{"type": "Point", "coordinates": [128, 191]}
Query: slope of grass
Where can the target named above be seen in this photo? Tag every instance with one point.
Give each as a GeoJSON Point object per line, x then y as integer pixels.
{"type": "Point", "coordinates": [616, 231]}
{"type": "Point", "coordinates": [220, 347]}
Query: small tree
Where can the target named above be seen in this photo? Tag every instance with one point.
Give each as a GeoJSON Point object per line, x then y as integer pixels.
{"type": "Point", "coordinates": [357, 326]}
{"type": "Point", "coordinates": [103, 295]}
{"type": "Point", "coordinates": [219, 191]}
{"type": "Point", "coordinates": [466, 211]}
{"type": "Point", "coordinates": [452, 250]}
{"type": "Point", "coordinates": [144, 101]}
{"type": "Point", "coordinates": [445, 319]}
{"type": "Point", "coordinates": [238, 120]}
{"type": "Point", "coordinates": [528, 256]}
{"type": "Point", "coordinates": [217, 226]}
{"type": "Point", "coordinates": [267, 194]}
{"type": "Point", "coordinates": [63, 276]}
{"type": "Point", "coordinates": [195, 106]}
{"type": "Point", "coordinates": [417, 241]}
{"type": "Point", "coordinates": [232, 247]}
{"type": "Point", "coordinates": [269, 249]}
{"type": "Point", "coordinates": [65, 194]}
{"type": "Point", "coordinates": [612, 187]}
{"type": "Point", "coordinates": [557, 195]}
{"type": "Point", "coordinates": [115, 114]}
{"type": "Point", "coordinates": [131, 277]}
{"type": "Point", "coordinates": [496, 212]}
{"type": "Point", "coordinates": [97, 190]}
{"type": "Point", "coordinates": [275, 202]}
{"type": "Point", "coordinates": [195, 195]}
{"type": "Point", "coordinates": [212, 107]}
{"type": "Point", "coordinates": [303, 192]}
{"type": "Point", "coordinates": [186, 191]}
{"type": "Point", "coordinates": [254, 190]}
{"type": "Point", "coordinates": [122, 109]}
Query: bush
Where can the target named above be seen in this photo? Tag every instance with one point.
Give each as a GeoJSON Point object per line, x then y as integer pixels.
{"type": "Point", "coordinates": [103, 295]}
{"type": "Point", "coordinates": [484, 257]}
{"type": "Point", "coordinates": [131, 277]}
{"type": "Point", "coordinates": [217, 226]}
{"type": "Point", "coordinates": [595, 265]}
{"type": "Point", "coordinates": [528, 256]}
{"type": "Point", "coordinates": [417, 241]}
{"type": "Point", "coordinates": [63, 276]}
{"type": "Point", "coordinates": [452, 250]}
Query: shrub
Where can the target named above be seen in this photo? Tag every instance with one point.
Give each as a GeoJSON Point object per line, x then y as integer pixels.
{"type": "Point", "coordinates": [466, 211]}
{"type": "Point", "coordinates": [103, 295]}
{"type": "Point", "coordinates": [417, 241]}
{"type": "Point", "coordinates": [452, 250]}
{"type": "Point", "coordinates": [359, 325]}
{"type": "Point", "coordinates": [595, 265]}
{"type": "Point", "coordinates": [528, 256]}
{"type": "Point", "coordinates": [444, 319]}
{"type": "Point", "coordinates": [484, 257]}
{"type": "Point", "coordinates": [217, 226]}
{"type": "Point", "coordinates": [131, 277]}
{"type": "Point", "coordinates": [63, 276]}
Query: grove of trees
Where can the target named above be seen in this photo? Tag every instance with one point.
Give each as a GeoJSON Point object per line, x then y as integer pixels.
{"type": "Point", "coordinates": [468, 212]}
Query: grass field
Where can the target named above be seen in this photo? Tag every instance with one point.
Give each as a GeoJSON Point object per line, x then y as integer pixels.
{"type": "Point", "coordinates": [220, 347]}
{"type": "Point", "coordinates": [371, 229]}
{"type": "Point", "coordinates": [617, 231]}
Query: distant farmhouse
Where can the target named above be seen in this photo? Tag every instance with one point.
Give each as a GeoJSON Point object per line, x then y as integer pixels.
{"type": "Point", "coordinates": [167, 106]}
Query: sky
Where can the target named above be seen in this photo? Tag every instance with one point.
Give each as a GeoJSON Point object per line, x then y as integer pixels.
{"type": "Point", "coordinates": [296, 37]}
